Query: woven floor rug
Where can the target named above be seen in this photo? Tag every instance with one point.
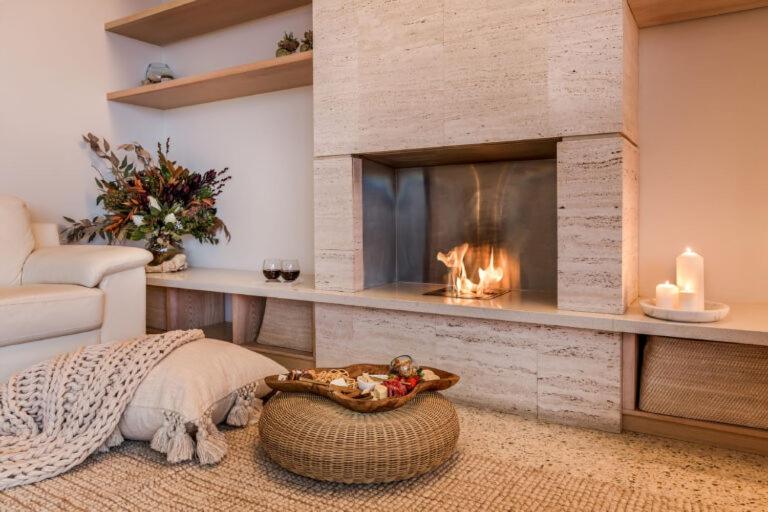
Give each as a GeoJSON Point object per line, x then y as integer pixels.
{"type": "Point", "coordinates": [134, 478]}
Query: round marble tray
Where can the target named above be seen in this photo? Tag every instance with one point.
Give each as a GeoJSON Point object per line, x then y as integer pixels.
{"type": "Point", "coordinates": [713, 311]}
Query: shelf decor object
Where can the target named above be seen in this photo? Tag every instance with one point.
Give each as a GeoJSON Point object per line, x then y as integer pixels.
{"type": "Point", "coordinates": [243, 80]}
{"type": "Point", "coordinates": [690, 280]}
{"type": "Point", "coordinates": [667, 295]}
{"type": "Point", "coordinates": [712, 312]}
{"type": "Point", "coordinates": [181, 19]}
{"type": "Point", "coordinates": [684, 302]}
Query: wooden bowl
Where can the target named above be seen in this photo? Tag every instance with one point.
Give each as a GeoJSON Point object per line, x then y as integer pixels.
{"type": "Point", "coordinates": [344, 397]}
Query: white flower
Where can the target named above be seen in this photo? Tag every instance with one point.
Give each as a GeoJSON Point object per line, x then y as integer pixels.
{"type": "Point", "coordinates": [170, 219]}
{"type": "Point", "coordinates": [138, 220]}
{"type": "Point", "coordinates": [153, 203]}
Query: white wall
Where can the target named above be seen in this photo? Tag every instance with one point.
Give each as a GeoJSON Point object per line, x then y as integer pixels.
{"type": "Point", "coordinates": [704, 152]}
{"type": "Point", "coordinates": [56, 65]}
{"type": "Point", "coordinates": [265, 140]}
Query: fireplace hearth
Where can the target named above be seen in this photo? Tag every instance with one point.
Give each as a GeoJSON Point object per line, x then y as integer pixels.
{"type": "Point", "coordinates": [449, 291]}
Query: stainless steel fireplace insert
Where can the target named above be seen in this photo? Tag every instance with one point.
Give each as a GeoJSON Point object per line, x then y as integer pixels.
{"type": "Point", "coordinates": [488, 226]}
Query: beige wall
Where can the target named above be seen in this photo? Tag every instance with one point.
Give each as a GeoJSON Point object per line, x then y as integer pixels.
{"type": "Point", "coordinates": [704, 152]}
{"type": "Point", "coordinates": [266, 140]}
{"type": "Point", "coordinates": [56, 65]}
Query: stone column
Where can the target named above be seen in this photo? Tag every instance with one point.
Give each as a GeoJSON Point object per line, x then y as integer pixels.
{"type": "Point", "coordinates": [338, 223]}
{"type": "Point", "coordinates": [597, 223]}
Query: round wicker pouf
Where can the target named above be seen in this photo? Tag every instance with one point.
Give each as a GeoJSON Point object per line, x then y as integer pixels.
{"type": "Point", "coordinates": [315, 437]}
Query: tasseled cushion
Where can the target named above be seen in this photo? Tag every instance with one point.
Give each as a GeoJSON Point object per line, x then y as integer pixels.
{"type": "Point", "coordinates": [186, 395]}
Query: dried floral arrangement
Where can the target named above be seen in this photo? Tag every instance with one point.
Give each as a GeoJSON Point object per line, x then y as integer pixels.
{"type": "Point", "coordinates": [156, 201]}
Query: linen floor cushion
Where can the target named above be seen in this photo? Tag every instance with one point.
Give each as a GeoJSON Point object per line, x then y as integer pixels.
{"type": "Point", "coordinates": [196, 387]}
{"type": "Point", "coordinates": [16, 239]}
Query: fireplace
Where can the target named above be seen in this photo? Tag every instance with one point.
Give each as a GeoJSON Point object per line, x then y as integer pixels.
{"type": "Point", "coordinates": [478, 229]}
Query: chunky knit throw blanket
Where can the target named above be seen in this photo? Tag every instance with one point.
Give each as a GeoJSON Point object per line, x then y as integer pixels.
{"type": "Point", "coordinates": [55, 414]}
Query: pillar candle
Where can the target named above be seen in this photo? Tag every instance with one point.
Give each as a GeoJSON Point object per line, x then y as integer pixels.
{"type": "Point", "coordinates": [687, 300]}
{"type": "Point", "coordinates": [666, 296]}
{"type": "Point", "coordinates": [690, 277]}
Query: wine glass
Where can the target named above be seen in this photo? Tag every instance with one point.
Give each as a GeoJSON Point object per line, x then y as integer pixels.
{"type": "Point", "coordinates": [290, 270]}
{"type": "Point", "coordinates": [271, 269]}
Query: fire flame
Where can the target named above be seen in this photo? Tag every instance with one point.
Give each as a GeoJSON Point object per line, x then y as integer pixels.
{"type": "Point", "coordinates": [459, 280]}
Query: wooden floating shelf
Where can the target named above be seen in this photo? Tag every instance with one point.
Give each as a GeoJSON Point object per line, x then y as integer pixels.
{"type": "Point", "coordinates": [649, 13]}
{"type": "Point", "coordinates": [244, 80]}
{"type": "Point", "coordinates": [180, 19]}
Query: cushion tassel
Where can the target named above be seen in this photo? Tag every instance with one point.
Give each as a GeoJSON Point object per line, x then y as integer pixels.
{"type": "Point", "coordinates": [162, 438]}
{"type": "Point", "coordinates": [172, 439]}
{"type": "Point", "coordinates": [211, 445]}
{"type": "Point", "coordinates": [240, 414]}
{"type": "Point", "coordinates": [114, 440]}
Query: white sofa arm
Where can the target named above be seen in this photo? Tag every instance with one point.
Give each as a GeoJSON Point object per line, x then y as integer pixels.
{"type": "Point", "coordinates": [46, 234]}
{"type": "Point", "coordinates": [85, 265]}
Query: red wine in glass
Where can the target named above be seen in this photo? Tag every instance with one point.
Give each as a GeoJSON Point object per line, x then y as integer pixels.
{"type": "Point", "coordinates": [272, 275]}
{"type": "Point", "coordinates": [289, 270]}
{"type": "Point", "coordinates": [271, 269]}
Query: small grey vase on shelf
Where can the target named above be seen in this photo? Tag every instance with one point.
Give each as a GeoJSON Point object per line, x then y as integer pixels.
{"type": "Point", "coordinates": [157, 72]}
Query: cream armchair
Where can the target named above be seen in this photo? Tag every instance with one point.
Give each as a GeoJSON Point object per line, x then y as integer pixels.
{"type": "Point", "coordinates": [54, 298]}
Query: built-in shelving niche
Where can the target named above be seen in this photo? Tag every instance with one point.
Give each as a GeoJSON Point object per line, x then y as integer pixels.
{"type": "Point", "coordinates": [181, 19]}
{"type": "Point", "coordinates": [280, 329]}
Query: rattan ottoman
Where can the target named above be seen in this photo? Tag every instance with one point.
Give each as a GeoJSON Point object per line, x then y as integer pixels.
{"type": "Point", "coordinates": [312, 436]}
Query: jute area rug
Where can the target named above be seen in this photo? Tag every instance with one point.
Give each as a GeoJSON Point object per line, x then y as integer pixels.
{"type": "Point", "coordinates": [134, 478]}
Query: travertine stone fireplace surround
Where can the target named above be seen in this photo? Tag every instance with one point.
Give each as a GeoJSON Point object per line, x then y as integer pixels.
{"type": "Point", "coordinates": [558, 374]}
{"type": "Point", "coordinates": [407, 76]}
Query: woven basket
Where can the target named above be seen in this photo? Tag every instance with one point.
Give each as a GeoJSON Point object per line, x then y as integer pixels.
{"type": "Point", "coordinates": [705, 380]}
{"type": "Point", "coordinates": [312, 436]}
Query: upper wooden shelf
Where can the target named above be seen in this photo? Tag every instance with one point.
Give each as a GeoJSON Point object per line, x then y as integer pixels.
{"type": "Point", "coordinates": [179, 19]}
{"type": "Point", "coordinates": [649, 13]}
{"type": "Point", "coordinates": [244, 80]}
